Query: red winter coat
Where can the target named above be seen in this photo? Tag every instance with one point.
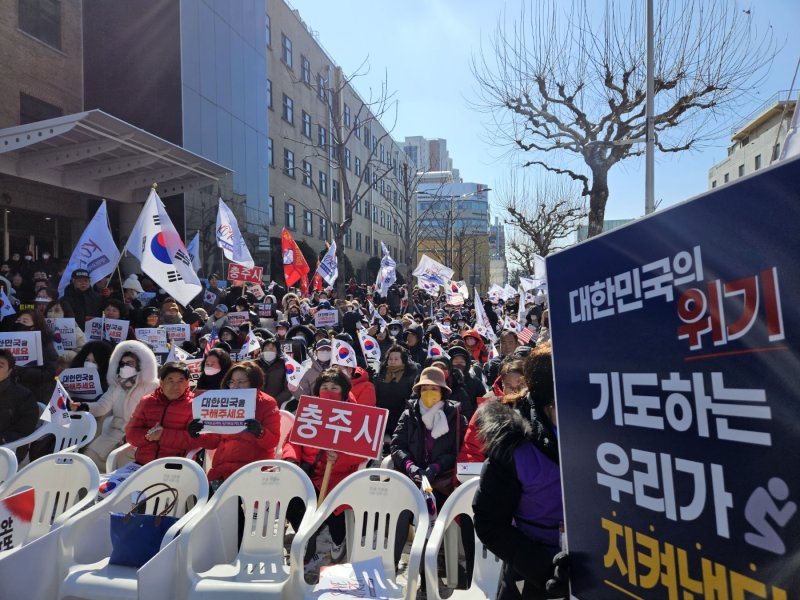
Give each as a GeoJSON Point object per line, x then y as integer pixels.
{"type": "Point", "coordinates": [174, 416]}
{"type": "Point", "coordinates": [472, 450]}
{"type": "Point", "coordinates": [313, 461]}
{"type": "Point", "coordinates": [238, 449]}
{"type": "Point", "coordinates": [363, 389]}
{"type": "Point", "coordinates": [479, 351]}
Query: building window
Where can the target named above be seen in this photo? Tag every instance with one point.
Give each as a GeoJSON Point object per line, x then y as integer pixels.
{"type": "Point", "coordinates": [286, 50]}
{"type": "Point", "coordinates": [374, 144]}
{"type": "Point", "coordinates": [322, 136]}
{"type": "Point", "coordinates": [374, 213]}
{"type": "Point", "coordinates": [741, 170]}
{"type": "Point", "coordinates": [320, 86]}
{"type": "Point", "coordinates": [348, 238]}
{"type": "Point", "coordinates": [776, 152]}
{"type": "Point", "coordinates": [374, 180]}
{"type": "Point", "coordinates": [306, 173]}
{"type": "Point", "coordinates": [271, 209]}
{"type": "Point", "coordinates": [305, 70]}
{"type": "Point", "coordinates": [757, 162]}
{"type": "Point", "coordinates": [306, 125]}
{"type": "Point", "coordinates": [31, 109]}
{"type": "Point", "coordinates": [726, 178]}
{"type": "Point", "coordinates": [347, 158]}
{"type": "Point", "coordinates": [383, 154]}
{"type": "Point", "coordinates": [270, 155]}
{"type": "Point", "coordinates": [358, 205]}
{"type": "Point", "coordinates": [375, 247]}
{"type": "Point", "coordinates": [357, 127]}
{"type": "Point", "coordinates": [269, 32]}
{"type": "Point", "coordinates": [323, 183]}
{"type": "Point", "coordinates": [358, 167]}
{"type": "Point", "coordinates": [288, 162]}
{"type": "Point", "coordinates": [269, 94]}
{"type": "Point", "coordinates": [42, 20]}
{"type": "Point", "coordinates": [288, 109]}
{"type": "Point", "coordinates": [289, 216]}
{"type": "Point", "coordinates": [335, 191]}
{"type": "Point", "coordinates": [367, 243]}
{"type": "Point", "coordinates": [713, 184]}
{"type": "Point", "coordinates": [366, 136]}
{"type": "Point", "coordinates": [308, 222]}
{"type": "Point", "coordinates": [346, 116]}
{"type": "Point", "coordinates": [358, 240]}
{"type": "Point", "coordinates": [323, 228]}
{"type": "Point", "coordinates": [383, 219]}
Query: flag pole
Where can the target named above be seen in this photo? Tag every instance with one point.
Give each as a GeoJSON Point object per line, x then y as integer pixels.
{"type": "Point", "coordinates": [119, 272]}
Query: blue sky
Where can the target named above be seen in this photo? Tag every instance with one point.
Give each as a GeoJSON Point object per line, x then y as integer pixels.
{"type": "Point", "coordinates": [423, 49]}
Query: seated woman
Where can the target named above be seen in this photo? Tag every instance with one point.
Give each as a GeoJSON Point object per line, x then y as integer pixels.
{"type": "Point", "coordinates": [95, 355]}
{"type": "Point", "coordinates": [157, 427]}
{"type": "Point", "coordinates": [256, 442]}
{"type": "Point", "coordinates": [131, 375]}
{"type": "Point", "coordinates": [213, 369]}
{"type": "Point", "coordinates": [332, 385]}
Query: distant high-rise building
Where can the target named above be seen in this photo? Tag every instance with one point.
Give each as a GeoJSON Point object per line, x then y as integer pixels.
{"type": "Point", "coordinates": [430, 155]}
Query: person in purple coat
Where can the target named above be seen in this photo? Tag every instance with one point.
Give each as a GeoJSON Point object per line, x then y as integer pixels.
{"type": "Point", "coordinates": [518, 511]}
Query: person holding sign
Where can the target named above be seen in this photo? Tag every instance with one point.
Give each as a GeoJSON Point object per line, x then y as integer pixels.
{"type": "Point", "coordinates": [331, 385]}
{"type": "Point", "coordinates": [19, 412]}
{"type": "Point", "coordinates": [131, 375]}
{"type": "Point", "coordinates": [38, 379]}
{"type": "Point", "coordinates": [158, 425]}
{"type": "Point", "coordinates": [259, 439]}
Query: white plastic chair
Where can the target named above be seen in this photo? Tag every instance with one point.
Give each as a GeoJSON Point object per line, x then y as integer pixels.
{"type": "Point", "coordinates": [287, 422]}
{"type": "Point", "coordinates": [486, 566]}
{"type": "Point", "coordinates": [78, 553]}
{"type": "Point", "coordinates": [119, 457]}
{"type": "Point", "coordinates": [210, 564]}
{"type": "Point", "coordinates": [8, 465]}
{"type": "Point", "coordinates": [81, 431]}
{"type": "Point", "coordinates": [376, 497]}
{"type": "Point", "coordinates": [63, 485]}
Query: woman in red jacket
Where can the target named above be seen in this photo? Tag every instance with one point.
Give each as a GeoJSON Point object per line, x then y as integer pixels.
{"type": "Point", "coordinates": [332, 384]}
{"type": "Point", "coordinates": [256, 442]}
{"type": "Point", "coordinates": [157, 427]}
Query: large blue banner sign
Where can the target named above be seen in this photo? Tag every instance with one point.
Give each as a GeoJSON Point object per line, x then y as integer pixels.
{"type": "Point", "coordinates": [677, 363]}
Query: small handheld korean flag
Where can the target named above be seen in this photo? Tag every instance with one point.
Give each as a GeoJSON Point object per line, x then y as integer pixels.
{"type": "Point", "coordinates": [177, 354]}
{"type": "Point", "coordinates": [57, 410]}
{"type": "Point", "coordinates": [434, 349]}
{"type": "Point", "coordinates": [251, 345]}
{"type": "Point", "coordinates": [294, 373]}
{"type": "Point", "coordinates": [493, 353]}
{"type": "Point", "coordinates": [369, 345]}
{"type": "Point", "coordinates": [343, 354]}
{"type": "Point", "coordinates": [6, 308]}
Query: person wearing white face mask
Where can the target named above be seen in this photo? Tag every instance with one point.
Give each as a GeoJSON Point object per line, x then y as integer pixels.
{"type": "Point", "coordinates": [321, 361]}
{"type": "Point", "coordinates": [132, 374]}
{"type": "Point", "coordinates": [95, 354]}
{"type": "Point", "coordinates": [274, 367]}
{"type": "Point", "coordinates": [214, 366]}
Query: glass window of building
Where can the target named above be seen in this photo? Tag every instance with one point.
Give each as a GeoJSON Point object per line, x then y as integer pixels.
{"type": "Point", "coordinates": [346, 116]}
{"type": "Point", "coordinates": [288, 109]}
{"type": "Point", "coordinates": [269, 93]}
{"type": "Point", "coordinates": [374, 144]}
{"type": "Point", "coordinates": [336, 195]}
{"type": "Point", "coordinates": [271, 209]}
{"type": "Point", "coordinates": [42, 20]}
{"type": "Point", "coordinates": [358, 240]}
{"type": "Point", "coordinates": [308, 222]}
{"type": "Point", "coordinates": [357, 127]}
{"type": "Point", "coordinates": [757, 162]}
{"type": "Point", "coordinates": [383, 154]}
{"type": "Point", "coordinates": [358, 167]}
{"type": "Point", "coordinates": [322, 136]}
{"type": "Point", "coordinates": [383, 219]}
{"type": "Point", "coordinates": [286, 50]}
{"type": "Point", "coordinates": [741, 170]}
{"type": "Point", "coordinates": [323, 228]}
{"type": "Point", "coordinates": [375, 247]}
{"type": "Point", "coordinates": [367, 208]}
{"type": "Point", "coordinates": [306, 125]}
{"type": "Point", "coordinates": [366, 136]}
{"type": "Point", "coordinates": [289, 216]}
{"type": "Point", "coordinates": [288, 162]}
{"type": "Point", "coordinates": [306, 173]}
{"type": "Point", "coordinates": [323, 183]}
{"type": "Point", "coordinates": [348, 238]}
{"type": "Point", "coordinates": [270, 155]}
{"type": "Point", "coordinates": [358, 205]}
{"type": "Point", "coordinates": [347, 158]}
{"type": "Point", "coordinates": [374, 180]}
{"type": "Point", "coordinates": [305, 70]}
{"type": "Point", "coordinates": [269, 32]}
{"type": "Point", "coordinates": [367, 243]}
{"type": "Point", "coordinates": [320, 86]}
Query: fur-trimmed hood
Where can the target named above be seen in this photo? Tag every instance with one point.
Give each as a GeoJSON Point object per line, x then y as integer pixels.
{"type": "Point", "coordinates": [503, 429]}
{"type": "Point", "coordinates": [148, 368]}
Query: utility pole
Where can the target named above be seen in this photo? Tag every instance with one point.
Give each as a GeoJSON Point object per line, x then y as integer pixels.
{"type": "Point", "coordinates": [649, 174]}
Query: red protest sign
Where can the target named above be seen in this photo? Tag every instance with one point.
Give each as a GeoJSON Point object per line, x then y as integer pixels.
{"type": "Point", "coordinates": [240, 273]}
{"type": "Point", "coordinates": [339, 426]}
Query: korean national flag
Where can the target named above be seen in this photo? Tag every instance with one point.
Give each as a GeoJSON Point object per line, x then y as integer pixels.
{"type": "Point", "coordinates": [57, 410]}
{"type": "Point", "coordinates": [343, 354]}
{"type": "Point", "coordinates": [294, 373]}
{"type": "Point", "coordinates": [369, 345]}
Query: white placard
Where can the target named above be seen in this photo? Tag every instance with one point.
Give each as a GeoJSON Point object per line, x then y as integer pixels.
{"type": "Point", "coordinates": [26, 346]}
{"type": "Point", "coordinates": [81, 383]}
{"type": "Point", "coordinates": [67, 328]}
{"type": "Point", "coordinates": [154, 337]}
{"type": "Point", "coordinates": [225, 411]}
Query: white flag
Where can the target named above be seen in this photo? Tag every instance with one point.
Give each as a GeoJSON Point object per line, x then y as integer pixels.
{"type": "Point", "coordinates": [57, 410]}
{"type": "Point", "coordinates": [194, 251]}
{"type": "Point", "coordinates": [493, 353]}
{"type": "Point", "coordinates": [791, 145]}
{"type": "Point", "coordinates": [343, 354]}
{"type": "Point", "coordinates": [434, 349]}
{"type": "Point", "coordinates": [521, 312]}
{"type": "Point", "coordinates": [539, 269]}
{"type": "Point", "coordinates": [156, 243]}
{"type": "Point", "coordinates": [482, 323]}
{"type": "Point", "coordinates": [509, 292]}
{"type": "Point", "coordinates": [387, 274]}
{"type": "Point", "coordinates": [230, 239]}
{"type": "Point", "coordinates": [328, 267]}
{"type": "Point", "coordinates": [432, 271]}
{"type": "Point", "coordinates": [374, 315]}
{"type": "Point", "coordinates": [496, 293]}
{"type": "Point", "coordinates": [369, 345]}
{"type": "Point", "coordinates": [177, 354]}
{"type": "Point", "coordinates": [294, 372]}
{"type": "Point", "coordinates": [251, 344]}
{"type": "Point", "coordinates": [96, 251]}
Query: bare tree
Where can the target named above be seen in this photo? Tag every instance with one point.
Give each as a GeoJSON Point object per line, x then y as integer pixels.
{"type": "Point", "coordinates": [404, 213]}
{"type": "Point", "coordinates": [561, 86]}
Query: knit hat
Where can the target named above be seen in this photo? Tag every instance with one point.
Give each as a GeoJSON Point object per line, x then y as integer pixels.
{"type": "Point", "coordinates": [132, 283]}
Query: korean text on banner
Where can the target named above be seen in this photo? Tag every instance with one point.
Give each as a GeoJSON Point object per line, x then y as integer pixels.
{"type": "Point", "coordinates": [66, 327]}
{"type": "Point", "coordinates": [81, 382]}
{"type": "Point", "coordinates": [674, 424]}
{"type": "Point", "coordinates": [339, 426]}
{"type": "Point", "coordinates": [224, 411]}
{"type": "Point", "coordinates": [326, 317]}
{"type": "Point", "coordinates": [26, 346]}
{"type": "Point", "coordinates": [238, 272]}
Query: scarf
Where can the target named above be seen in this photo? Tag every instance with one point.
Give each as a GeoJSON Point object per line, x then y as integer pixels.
{"type": "Point", "coordinates": [394, 374]}
{"type": "Point", "coordinates": [434, 419]}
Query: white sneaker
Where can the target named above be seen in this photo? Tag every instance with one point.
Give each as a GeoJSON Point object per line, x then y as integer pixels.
{"type": "Point", "coordinates": [338, 552]}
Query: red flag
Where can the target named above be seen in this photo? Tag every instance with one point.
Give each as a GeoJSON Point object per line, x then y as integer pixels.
{"type": "Point", "coordinates": [295, 266]}
{"type": "Point", "coordinates": [316, 282]}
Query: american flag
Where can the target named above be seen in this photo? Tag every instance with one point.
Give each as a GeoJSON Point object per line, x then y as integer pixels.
{"type": "Point", "coordinates": [525, 335]}
{"type": "Point", "coordinates": [213, 338]}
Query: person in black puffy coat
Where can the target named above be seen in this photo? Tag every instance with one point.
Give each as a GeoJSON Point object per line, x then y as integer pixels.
{"type": "Point", "coordinates": [394, 384]}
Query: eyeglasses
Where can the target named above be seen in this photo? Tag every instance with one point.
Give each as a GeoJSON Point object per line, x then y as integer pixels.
{"type": "Point", "coordinates": [239, 383]}
{"type": "Point", "coordinates": [127, 363]}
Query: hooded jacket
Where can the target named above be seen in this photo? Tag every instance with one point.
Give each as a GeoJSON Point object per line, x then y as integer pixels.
{"type": "Point", "coordinates": [479, 351]}
{"type": "Point", "coordinates": [363, 390]}
{"type": "Point", "coordinates": [417, 353]}
{"type": "Point", "coordinates": [394, 395]}
{"type": "Point", "coordinates": [517, 508]}
{"type": "Point", "coordinates": [275, 383]}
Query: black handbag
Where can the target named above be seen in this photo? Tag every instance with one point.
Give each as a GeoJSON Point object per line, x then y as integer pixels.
{"type": "Point", "coordinates": [136, 537]}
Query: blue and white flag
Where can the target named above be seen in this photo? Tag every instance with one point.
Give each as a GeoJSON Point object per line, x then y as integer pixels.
{"type": "Point", "coordinates": [328, 267]}
{"type": "Point", "coordinates": [194, 251]}
{"type": "Point", "coordinates": [432, 271]}
{"type": "Point", "coordinates": [230, 239]}
{"type": "Point", "coordinates": [387, 274]}
{"type": "Point", "coordinates": [160, 250]}
{"type": "Point", "coordinates": [96, 251]}
{"type": "Point", "coordinates": [6, 308]}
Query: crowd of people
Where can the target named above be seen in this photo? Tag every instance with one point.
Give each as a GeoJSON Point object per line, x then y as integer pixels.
{"type": "Point", "coordinates": [476, 401]}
